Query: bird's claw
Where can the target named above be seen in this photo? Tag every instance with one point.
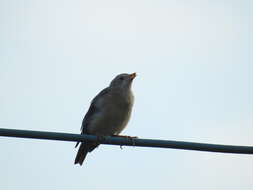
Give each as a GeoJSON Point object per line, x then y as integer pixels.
{"type": "Point", "coordinates": [125, 136]}
{"type": "Point", "coordinates": [131, 138]}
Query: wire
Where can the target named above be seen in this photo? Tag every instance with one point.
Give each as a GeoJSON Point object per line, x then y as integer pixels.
{"type": "Point", "coordinates": [122, 141]}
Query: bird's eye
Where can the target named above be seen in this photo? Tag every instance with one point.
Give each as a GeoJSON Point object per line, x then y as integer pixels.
{"type": "Point", "coordinates": [121, 78]}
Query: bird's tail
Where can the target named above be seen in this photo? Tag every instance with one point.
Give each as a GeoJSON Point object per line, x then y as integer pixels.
{"type": "Point", "coordinates": [83, 151]}
{"type": "Point", "coordinates": [81, 154]}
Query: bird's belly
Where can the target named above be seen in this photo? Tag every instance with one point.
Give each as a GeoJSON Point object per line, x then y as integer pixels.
{"type": "Point", "coordinates": [109, 123]}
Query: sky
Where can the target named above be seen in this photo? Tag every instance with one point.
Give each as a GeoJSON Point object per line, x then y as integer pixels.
{"type": "Point", "coordinates": [193, 61]}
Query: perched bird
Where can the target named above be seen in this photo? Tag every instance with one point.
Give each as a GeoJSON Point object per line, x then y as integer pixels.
{"type": "Point", "coordinates": [108, 114]}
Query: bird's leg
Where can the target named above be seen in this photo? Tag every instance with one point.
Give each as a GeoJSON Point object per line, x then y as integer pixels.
{"type": "Point", "coordinates": [131, 138]}
{"type": "Point", "coordinates": [125, 136]}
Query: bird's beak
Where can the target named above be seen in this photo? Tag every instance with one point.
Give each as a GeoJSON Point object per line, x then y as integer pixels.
{"type": "Point", "coordinates": [132, 76]}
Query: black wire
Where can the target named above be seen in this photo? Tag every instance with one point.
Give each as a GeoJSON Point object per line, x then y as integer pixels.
{"type": "Point", "coordinates": [127, 141]}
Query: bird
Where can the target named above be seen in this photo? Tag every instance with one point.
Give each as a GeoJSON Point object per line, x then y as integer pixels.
{"type": "Point", "coordinates": [108, 114]}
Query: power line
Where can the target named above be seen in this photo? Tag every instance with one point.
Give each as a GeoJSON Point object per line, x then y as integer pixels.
{"type": "Point", "coordinates": [127, 141]}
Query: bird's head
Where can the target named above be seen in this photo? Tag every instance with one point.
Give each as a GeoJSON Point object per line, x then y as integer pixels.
{"type": "Point", "coordinates": [123, 81]}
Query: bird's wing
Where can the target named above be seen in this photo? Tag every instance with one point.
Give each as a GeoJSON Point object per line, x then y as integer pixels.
{"type": "Point", "coordinates": [93, 109]}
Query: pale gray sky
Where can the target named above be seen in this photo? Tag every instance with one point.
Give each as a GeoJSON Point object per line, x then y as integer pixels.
{"type": "Point", "coordinates": [194, 66]}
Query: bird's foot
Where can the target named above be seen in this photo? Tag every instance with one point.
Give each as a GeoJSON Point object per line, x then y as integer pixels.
{"type": "Point", "coordinates": [125, 136]}
{"type": "Point", "coordinates": [131, 138]}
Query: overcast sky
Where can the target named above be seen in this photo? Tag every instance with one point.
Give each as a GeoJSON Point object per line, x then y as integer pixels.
{"type": "Point", "coordinates": [193, 59]}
